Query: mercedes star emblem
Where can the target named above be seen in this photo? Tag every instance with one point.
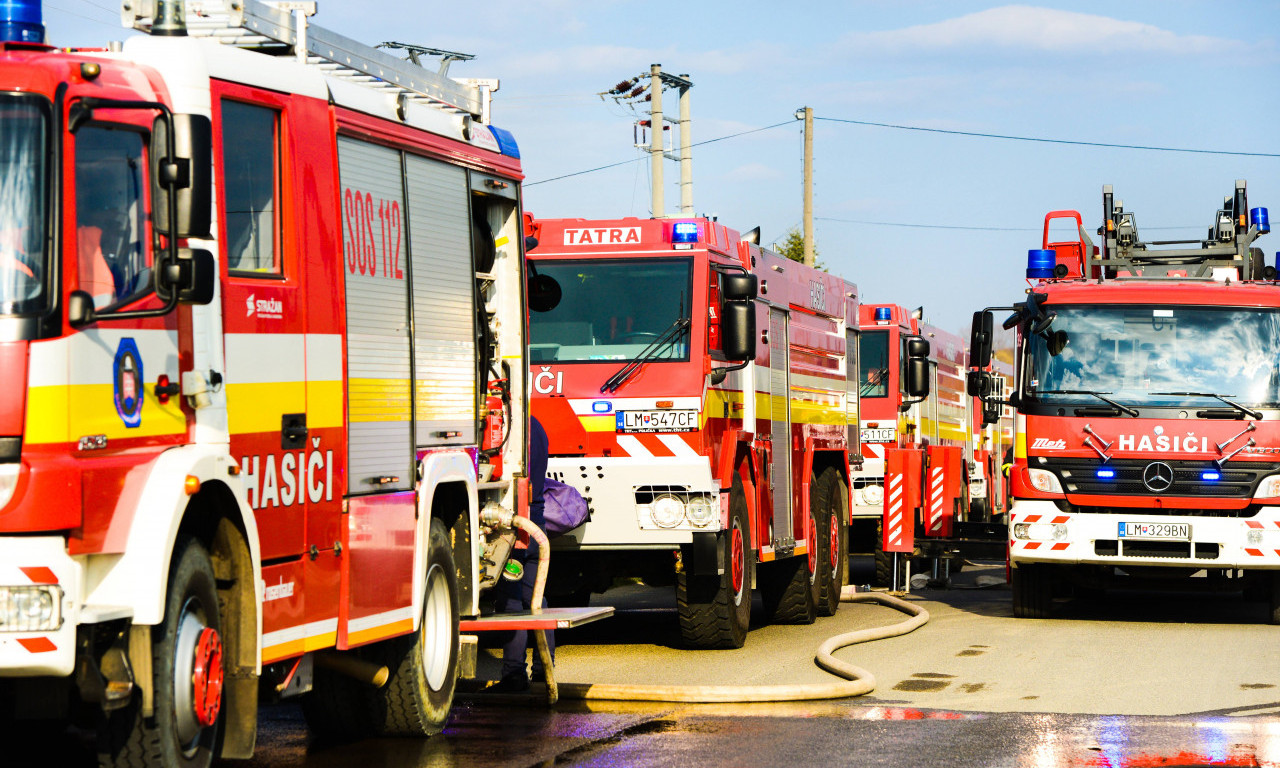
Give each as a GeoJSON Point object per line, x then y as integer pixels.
{"type": "Point", "coordinates": [1158, 477]}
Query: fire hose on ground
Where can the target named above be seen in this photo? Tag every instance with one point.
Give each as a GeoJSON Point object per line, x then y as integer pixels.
{"type": "Point", "coordinates": [856, 680]}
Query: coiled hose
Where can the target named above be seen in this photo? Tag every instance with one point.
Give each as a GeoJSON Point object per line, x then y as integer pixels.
{"type": "Point", "coordinates": [857, 681]}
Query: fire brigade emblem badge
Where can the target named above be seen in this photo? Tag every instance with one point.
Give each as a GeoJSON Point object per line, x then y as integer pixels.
{"type": "Point", "coordinates": [127, 381]}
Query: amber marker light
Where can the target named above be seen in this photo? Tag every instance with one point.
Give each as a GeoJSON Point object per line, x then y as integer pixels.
{"type": "Point", "coordinates": [191, 485]}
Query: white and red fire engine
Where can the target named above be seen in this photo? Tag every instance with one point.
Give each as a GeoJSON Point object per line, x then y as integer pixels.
{"type": "Point", "coordinates": [695, 389]}
{"type": "Point", "coordinates": [1148, 382]}
{"type": "Point", "coordinates": [928, 462]}
{"type": "Point", "coordinates": [256, 281]}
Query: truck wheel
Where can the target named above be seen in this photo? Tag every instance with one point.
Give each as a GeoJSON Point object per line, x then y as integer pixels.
{"type": "Point", "coordinates": [979, 511]}
{"type": "Point", "coordinates": [829, 557]}
{"type": "Point", "coordinates": [1032, 591]}
{"type": "Point", "coordinates": [789, 587]}
{"type": "Point", "coordinates": [188, 676]}
{"type": "Point", "coordinates": [715, 611]}
{"type": "Point", "coordinates": [884, 562]}
{"type": "Point", "coordinates": [424, 666]}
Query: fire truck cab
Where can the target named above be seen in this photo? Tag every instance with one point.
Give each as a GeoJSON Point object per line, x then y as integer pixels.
{"type": "Point", "coordinates": [1147, 387]}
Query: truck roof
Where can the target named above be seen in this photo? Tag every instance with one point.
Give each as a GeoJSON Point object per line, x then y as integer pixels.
{"type": "Point", "coordinates": [1190, 292]}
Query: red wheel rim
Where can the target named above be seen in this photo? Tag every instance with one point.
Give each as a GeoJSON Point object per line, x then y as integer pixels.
{"type": "Point", "coordinates": [835, 540]}
{"type": "Point", "coordinates": [207, 677]}
{"type": "Point", "coordinates": [737, 571]}
{"type": "Point", "coordinates": [811, 533]}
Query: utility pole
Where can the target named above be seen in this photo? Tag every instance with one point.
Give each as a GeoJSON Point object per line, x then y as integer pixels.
{"type": "Point", "coordinates": [686, 150]}
{"type": "Point", "coordinates": [655, 138]}
{"type": "Point", "coordinates": [808, 186]}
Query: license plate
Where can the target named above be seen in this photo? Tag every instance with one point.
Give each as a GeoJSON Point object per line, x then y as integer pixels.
{"type": "Point", "coordinates": [1159, 531]}
{"type": "Point", "coordinates": [657, 421]}
{"type": "Point", "coordinates": [879, 435]}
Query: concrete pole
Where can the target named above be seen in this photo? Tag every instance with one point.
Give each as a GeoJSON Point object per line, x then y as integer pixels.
{"type": "Point", "coordinates": [686, 153]}
{"type": "Point", "coordinates": [655, 137]}
{"type": "Point", "coordinates": [808, 186]}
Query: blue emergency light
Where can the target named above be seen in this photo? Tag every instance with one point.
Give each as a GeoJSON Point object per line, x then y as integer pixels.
{"type": "Point", "coordinates": [1260, 219]}
{"type": "Point", "coordinates": [1106, 474]}
{"type": "Point", "coordinates": [684, 232]}
{"type": "Point", "coordinates": [1210, 475]}
{"type": "Point", "coordinates": [1040, 263]}
{"type": "Point", "coordinates": [506, 140]}
{"type": "Point", "coordinates": [21, 21]}
{"type": "Point", "coordinates": [883, 314]}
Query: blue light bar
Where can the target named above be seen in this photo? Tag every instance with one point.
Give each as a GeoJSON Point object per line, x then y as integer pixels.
{"type": "Point", "coordinates": [883, 314]}
{"type": "Point", "coordinates": [1040, 263]}
{"type": "Point", "coordinates": [684, 232]}
{"type": "Point", "coordinates": [1106, 473]}
{"type": "Point", "coordinates": [1210, 475]}
{"type": "Point", "coordinates": [1260, 219]}
{"type": "Point", "coordinates": [21, 21]}
{"type": "Point", "coordinates": [506, 141]}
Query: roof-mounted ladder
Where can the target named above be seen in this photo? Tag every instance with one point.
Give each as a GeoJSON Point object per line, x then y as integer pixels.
{"type": "Point", "coordinates": [281, 28]}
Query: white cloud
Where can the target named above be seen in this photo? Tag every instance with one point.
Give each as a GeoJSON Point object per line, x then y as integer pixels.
{"type": "Point", "coordinates": [1023, 28]}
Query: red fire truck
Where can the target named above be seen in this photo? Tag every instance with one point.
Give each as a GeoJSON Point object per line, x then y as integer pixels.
{"type": "Point", "coordinates": [256, 282]}
{"type": "Point", "coordinates": [1146, 373]}
{"type": "Point", "coordinates": [694, 387]}
{"type": "Point", "coordinates": [951, 475]}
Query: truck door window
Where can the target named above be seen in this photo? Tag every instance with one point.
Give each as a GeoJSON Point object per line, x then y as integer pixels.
{"type": "Point", "coordinates": [23, 194]}
{"type": "Point", "coordinates": [873, 364]}
{"type": "Point", "coordinates": [112, 249]}
{"type": "Point", "coordinates": [250, 164]}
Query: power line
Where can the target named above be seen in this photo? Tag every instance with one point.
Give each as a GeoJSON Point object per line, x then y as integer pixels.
{"type": "Point", "coordinates": [1046, 141]}
{"type": "Point", "coordinates": [637, 159]}
{"type": "Point", "coordinates": [974, 229]}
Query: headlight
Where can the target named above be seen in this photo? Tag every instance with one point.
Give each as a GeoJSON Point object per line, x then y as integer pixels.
{"type": "Point", "coordinates": [700, 511]}
{"type": "Point", "coordinates": [1043, 480]}
{"type": "Point", "coordinates": [8, 481]}
{"type": "Point", "coordinates": [30, 609]}
{"type": "Point", "coordinates": [1269, 488]}
{"type": "Point", "coordinates": [872, 495]}
{"type": "Point", "coordinates": [1040, 531]}
{"type": "Point", "coordinates": [667, 511]}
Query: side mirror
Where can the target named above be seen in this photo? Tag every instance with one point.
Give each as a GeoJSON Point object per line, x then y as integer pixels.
{"type": "Point", "coordinates": [918, 376]}
{"type": "Point", "coordinates": [544, 293]}
{"type": "Point", "coordinates": [183, 180]}
{"type": "Point", "coordinates": [738, 287]}
{"type": "Point", "coordinates": [917, 347]}
{"type": "Point", "coordinates": [980, 340]}
{"type": "Point", "coordinates": [79, 309]}
{"type": "Point", "coordinates": [193, 276]}
{"type": "Point", "coordinates": [978, 384]}
{"type": "Point", "coordinates": [738, 330]}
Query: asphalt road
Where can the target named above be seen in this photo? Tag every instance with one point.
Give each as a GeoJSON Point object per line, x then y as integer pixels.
{"type": "Point", "coordinates": [1134, 679]}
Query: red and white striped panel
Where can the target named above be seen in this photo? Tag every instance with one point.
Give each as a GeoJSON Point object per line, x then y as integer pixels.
{"type": "Point", "coordinates": [874, 450]}
{"type": "Point", "coordinates": [647, 445]}
{"type": "Point", "coordinates": [937, 501]}
{"type": "Point", "coordinates": [1261, 525]}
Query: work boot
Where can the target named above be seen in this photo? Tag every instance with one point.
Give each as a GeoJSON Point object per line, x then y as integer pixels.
{"type": "Point", "coordinates": [512, 682]}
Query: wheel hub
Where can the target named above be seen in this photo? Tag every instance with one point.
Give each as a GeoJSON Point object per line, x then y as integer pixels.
{"type": "Point", "coordinates": [737, 572]}
{"type": "Point", "coordinates": [207, 677]}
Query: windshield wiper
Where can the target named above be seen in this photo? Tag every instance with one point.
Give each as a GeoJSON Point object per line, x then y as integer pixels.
{"type": "Point", "coordinates": [667, 337]}
{"type": "Point", "coordinates": [1214, 395]}
{"type": "Point", "coordinates": [1120, 408]}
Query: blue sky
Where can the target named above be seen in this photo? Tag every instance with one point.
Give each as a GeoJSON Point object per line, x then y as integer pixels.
{"type": "Point", "coordinates": [1169, 73]}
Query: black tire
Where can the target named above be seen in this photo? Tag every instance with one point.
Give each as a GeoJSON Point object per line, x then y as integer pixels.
{"type": "Point", "coordinates": [979, 511]}
{"type": "Point", "coordinates": [424, 665]}
{"type": "Point", "coordinates": [884, 562]}
{"type": "Point", "coordinates": [1032, 591]}
{"type": "Point", "coordinates": [186, 659]}
{"type": "Point", "coordinates": [789, 589]}
{"type": "Point", "coordinates": [715, 611]}
{"type": "Point", "coordinates": [831, 556]}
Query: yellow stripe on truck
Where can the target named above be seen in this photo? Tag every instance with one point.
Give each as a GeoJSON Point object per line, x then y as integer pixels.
{"type": "Point", "coordinates": [64, 414]}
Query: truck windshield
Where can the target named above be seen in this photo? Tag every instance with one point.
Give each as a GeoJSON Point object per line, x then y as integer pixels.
{"type": "Point", "coordinates": [1156, 356]}
{"type": "Point", "coordinates": [23, 205]}
{"type": "Point", "coordinates": [873, 365]}
{"type": "Point", "coordinates": [612, 310]}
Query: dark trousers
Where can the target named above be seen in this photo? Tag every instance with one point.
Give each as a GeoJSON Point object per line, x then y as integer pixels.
{"type": "Point", "coordinates": [515, 597]}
